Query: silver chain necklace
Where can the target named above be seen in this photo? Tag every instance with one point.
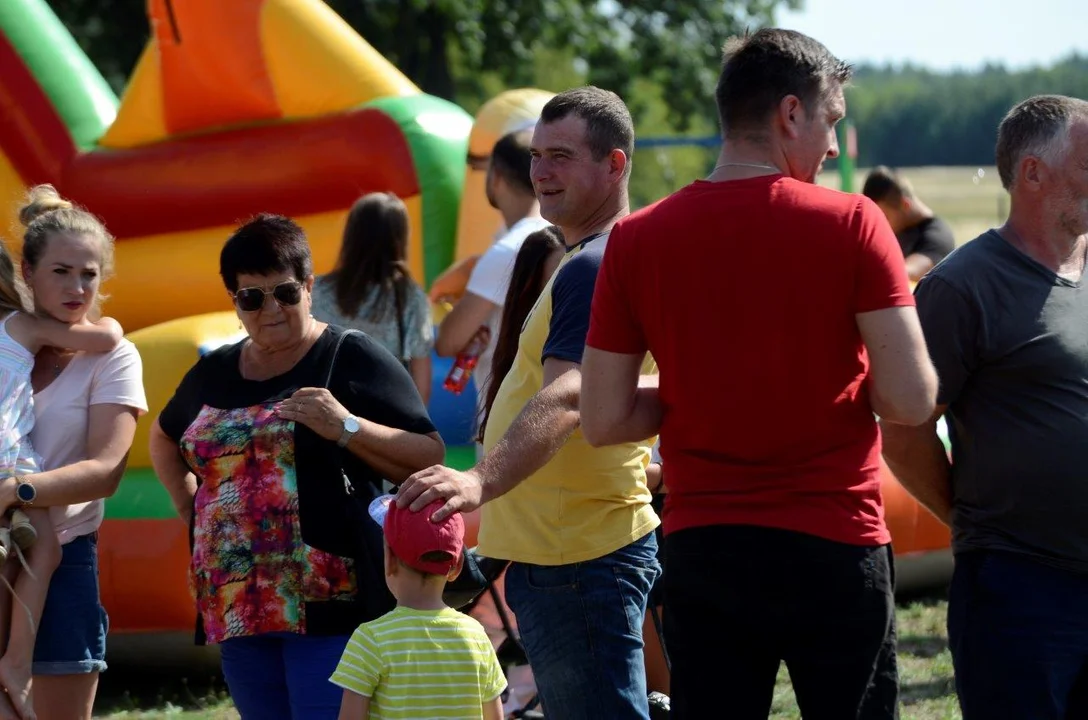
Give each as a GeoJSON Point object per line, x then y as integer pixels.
{"type": "Point", "coordinates": [747, 165]}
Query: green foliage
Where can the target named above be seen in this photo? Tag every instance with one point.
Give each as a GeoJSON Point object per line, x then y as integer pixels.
{"type": "Point", "coordinates": [656, 172]}
{"type": "Point", "coordinates": [912, 117]}
{"type": "Point", "coordinates": [464, 45]}
{"type": "Point", "coordinates": [112, 33]}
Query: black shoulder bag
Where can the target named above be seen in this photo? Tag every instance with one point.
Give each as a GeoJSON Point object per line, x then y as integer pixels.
{"type": "Point", "coordinates": [477, 572]}
{"type": "Point", "coordinates": [373, 594]}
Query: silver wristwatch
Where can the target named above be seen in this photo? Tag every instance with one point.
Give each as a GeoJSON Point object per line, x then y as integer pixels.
{"type": "Point", "coordinates": [351, 426]}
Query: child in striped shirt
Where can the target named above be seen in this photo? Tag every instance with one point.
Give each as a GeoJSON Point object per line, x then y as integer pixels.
{"type": "Point", "coordinates": [422, 660]}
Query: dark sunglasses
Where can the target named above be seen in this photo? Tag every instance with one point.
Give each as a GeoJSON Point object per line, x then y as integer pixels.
{"type": "Point", "coordinates": [286, 294]}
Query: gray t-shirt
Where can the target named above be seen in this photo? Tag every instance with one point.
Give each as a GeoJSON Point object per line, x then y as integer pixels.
{"type": "Point", "coordinates": [415, 324]}
{"type": "Point", "coordinates": [1009, 339]}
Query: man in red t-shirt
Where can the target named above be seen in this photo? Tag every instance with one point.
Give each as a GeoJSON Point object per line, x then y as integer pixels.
{"type": "Point", "coordinates": [781, 319]}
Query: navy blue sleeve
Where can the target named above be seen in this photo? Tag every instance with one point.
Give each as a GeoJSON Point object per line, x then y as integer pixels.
{"type": "Point", "coordinates": [572, 299]}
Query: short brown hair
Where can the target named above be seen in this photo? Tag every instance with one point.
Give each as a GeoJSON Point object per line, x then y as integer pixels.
{"type": "Point", "coordinates": [608, 121]}
{"type": "Point", "coordinates": [884, 185]}
{"type": "Point", "coordinates": [760, 69]}
{"type": "Point", "coordinates": [511, 159]}
{"type": "Point", "coordinates": [1034, 127]}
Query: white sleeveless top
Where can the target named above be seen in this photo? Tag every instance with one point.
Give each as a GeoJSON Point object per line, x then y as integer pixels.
{"type": "Point", "coordinates": [17, 457]}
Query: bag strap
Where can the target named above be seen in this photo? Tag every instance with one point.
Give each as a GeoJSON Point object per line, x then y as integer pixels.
{"type": "Point", "coordinates": [369, 598]}
{"type": "Point", "coordinates": [335, 353]}
{"type": "Point", "coordinates": [399, 302]}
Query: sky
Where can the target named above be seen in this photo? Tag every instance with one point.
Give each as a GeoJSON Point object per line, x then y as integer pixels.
{"type": "Point", "coordinates": [945, 34]}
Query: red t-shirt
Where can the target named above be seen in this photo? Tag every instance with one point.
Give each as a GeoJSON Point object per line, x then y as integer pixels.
{"type": "Point", "coordinates": [746, 292]}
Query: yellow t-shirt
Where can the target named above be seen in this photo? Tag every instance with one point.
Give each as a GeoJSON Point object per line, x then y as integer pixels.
{"type": "Point", "coordinates": [586, 502]}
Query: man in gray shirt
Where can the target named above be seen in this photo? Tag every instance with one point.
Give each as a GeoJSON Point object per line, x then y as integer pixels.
{"type": "Point", "coordinates": [1006, 322]}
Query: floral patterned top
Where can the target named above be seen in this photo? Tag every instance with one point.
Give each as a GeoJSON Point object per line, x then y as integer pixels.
{"type": "Point", "coordinates": [273, 547]}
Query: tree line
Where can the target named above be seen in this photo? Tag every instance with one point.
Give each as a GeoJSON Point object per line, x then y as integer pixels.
{"type": "Point", "coordinates": [910, 116]}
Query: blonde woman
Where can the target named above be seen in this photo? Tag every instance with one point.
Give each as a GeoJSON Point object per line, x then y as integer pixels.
{"type": "Point", "coordinates": [85, 408]}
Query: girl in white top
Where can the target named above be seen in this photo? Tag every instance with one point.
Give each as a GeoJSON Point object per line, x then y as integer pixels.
{"type": "Point", "coordinates": [28, 529]}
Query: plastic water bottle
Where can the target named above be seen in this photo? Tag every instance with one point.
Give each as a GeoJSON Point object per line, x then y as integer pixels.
{"type": "Point", "coordinates": [660, 706]}
{"type": "Point", "coordinates": [465, 363]}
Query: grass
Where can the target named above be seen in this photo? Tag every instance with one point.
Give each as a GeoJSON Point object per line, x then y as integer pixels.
{"type": "Point", "coordinates": [156, 694]}
{"type": "Point", "coordinates": [971, 200]}
{"type": "Point", "coordinates": [925, 671]}
{"type": "Point", "coordinates": [926, 684]}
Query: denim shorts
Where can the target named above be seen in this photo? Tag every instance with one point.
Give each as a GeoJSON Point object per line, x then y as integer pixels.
{"type": "Point", "coordinates": [72, 636]}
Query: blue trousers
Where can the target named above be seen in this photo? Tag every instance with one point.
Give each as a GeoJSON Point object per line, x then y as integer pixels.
{"type": "Point", "coordinates": [282, 676]}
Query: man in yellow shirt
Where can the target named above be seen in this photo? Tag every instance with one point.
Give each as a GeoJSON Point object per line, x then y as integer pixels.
{"type": "Point", "coordinates": [575, 521]}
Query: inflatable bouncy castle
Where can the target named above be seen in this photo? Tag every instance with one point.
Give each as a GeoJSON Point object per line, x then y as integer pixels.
{"type": "Point", "coordinates": [236, 108]}
{"type": "Point", "coordinates": [233, 109]}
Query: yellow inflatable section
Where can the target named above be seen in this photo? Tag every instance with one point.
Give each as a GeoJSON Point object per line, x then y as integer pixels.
{"type": "Point", "coordinates": [234, 108]}
{"type": "Point", "coordinates": [506, 112]}
{"type": "Point", "coordinates": [211, 63]}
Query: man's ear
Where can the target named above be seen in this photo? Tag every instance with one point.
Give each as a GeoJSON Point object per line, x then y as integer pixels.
{"type": "Point", "coordinates": [617, 163]}
{"type": "Point", "coordinates": [1031, 171]}
{"type": "Point", "coordinates": [791, 116]}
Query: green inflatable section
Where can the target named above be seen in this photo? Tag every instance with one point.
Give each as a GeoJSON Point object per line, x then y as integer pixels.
{"type": "Point", "coordinates": [72, 83]}
{"type": "Point", "coordinates": [437, 132]}
{"type": "Point", "coordinates": [142, 497]}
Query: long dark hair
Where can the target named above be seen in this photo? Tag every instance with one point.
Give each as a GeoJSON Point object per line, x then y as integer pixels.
{"type": "Point", "coordinates": [373, 252]}
{"type": "Point", "coordinates": [526, 282]}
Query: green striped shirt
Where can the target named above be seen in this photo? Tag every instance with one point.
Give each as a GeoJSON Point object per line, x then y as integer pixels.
{"type": "Point", "coordinates": [421, 664]}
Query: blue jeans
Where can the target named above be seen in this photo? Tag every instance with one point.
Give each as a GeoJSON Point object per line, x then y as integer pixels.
{"type": "Point", "coordinates": [282, 676]}
{"type": "Point", "coordinates": [1018, 630]}
{"type": "Point", "coordinates": [581, 626]}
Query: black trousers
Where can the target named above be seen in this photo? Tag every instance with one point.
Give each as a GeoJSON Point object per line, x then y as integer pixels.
{"type": "Point", "coordinates": [739, 600]}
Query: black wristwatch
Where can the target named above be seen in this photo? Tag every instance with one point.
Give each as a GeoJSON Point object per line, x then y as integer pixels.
{"type": "Point", "coordinates": [25, 493]}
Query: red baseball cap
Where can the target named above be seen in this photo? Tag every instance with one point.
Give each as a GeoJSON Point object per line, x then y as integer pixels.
{"type": "Point", "coordinates": [411, 535]}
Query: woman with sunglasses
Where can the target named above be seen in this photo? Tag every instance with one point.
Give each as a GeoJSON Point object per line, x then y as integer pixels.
{"type": "Point", "coordinates": [248, 450]}
{"type": "Point", "coordinates": [370, 289]}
